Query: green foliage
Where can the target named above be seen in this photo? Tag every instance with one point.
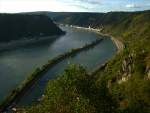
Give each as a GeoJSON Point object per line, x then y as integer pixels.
{"type": "Point", "coordinates": [76, 92]}
{"type": "Point", "coordinates": [18, 26]}
{"type": "Point", "coordinates": [138, 95]}
{"type": "Point", "coordinates": [64, 95]}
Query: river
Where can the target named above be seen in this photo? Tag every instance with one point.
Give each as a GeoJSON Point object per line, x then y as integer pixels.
{"type": "Point", "coordinates": [17, 64]}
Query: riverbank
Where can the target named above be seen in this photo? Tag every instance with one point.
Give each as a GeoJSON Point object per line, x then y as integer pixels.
{"type": "Point", "coordinates": [119, 44]}
{"type": "Point", "coordinates": [19, 91]}
{"type": "Point", "coordinates": [98, 68]}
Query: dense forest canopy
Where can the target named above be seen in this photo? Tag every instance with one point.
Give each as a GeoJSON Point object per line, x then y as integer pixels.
{"type": "Point", "coordinates": [18, 26]}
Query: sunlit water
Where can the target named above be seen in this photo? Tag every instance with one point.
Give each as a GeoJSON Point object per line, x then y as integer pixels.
{"type": "Point", "coordinates": [16, 65]}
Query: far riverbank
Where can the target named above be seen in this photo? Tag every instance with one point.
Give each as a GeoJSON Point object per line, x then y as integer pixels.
{"type": "Point", "coordinates": [120, 46]}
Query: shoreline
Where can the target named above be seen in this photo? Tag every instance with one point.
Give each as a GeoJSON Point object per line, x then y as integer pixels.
{"type": "Point", "coordinates": [120, 46]}
{"type": "Point", "coordinates": [14, 96]}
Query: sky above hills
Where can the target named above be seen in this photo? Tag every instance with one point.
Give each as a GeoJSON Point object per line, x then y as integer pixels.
{"type": "Point", "coordinates": [14, 6]}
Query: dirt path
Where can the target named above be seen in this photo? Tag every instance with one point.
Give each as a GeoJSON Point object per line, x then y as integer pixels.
{"type": "Point", "coordinates": [118, 43]}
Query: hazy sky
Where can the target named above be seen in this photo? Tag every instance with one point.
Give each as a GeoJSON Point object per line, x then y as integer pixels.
{"type": "Point", "coordinates": [13, 6]}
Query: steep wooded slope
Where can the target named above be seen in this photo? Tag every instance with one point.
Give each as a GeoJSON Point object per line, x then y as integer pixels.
{"type": "Point", "coordinates": [17, 26]}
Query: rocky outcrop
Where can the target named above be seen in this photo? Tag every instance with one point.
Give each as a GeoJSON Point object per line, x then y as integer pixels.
{"type": "Point", "coordinates": [126, 70]}
{"type": "Point", "coordinates": [148, 75]}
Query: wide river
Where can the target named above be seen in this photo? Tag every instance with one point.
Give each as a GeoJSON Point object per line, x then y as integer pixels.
{"type": "Point", "coordinates": [17, 64]}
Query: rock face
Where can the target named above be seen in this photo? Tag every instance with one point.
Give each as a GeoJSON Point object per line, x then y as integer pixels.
{"type": "Point", "coordinates": [127, 66]}
{"type": "Point", "coordinates": [17, 26]}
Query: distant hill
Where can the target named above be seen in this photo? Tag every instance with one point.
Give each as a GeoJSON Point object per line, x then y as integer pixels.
{"type": "Point", "coordinates": [95, 19]}
{"type": "Point", "coordinates": [17, 26]}
{"type": "Point", "coordinates": [120, 24]}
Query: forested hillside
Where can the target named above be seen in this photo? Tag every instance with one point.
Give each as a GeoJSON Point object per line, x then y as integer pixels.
{"type": "Point", "coordinates": [17, 26]}
{"type": "Point", "coordinates": [123, 86]}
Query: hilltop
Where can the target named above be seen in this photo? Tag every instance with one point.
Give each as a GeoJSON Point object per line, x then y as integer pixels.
{"type": "Point", "coordinates": [18, 26]}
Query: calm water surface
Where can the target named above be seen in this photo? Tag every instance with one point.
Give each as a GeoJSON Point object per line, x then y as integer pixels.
{"type": "Point", "coordinates": [16, 65]}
